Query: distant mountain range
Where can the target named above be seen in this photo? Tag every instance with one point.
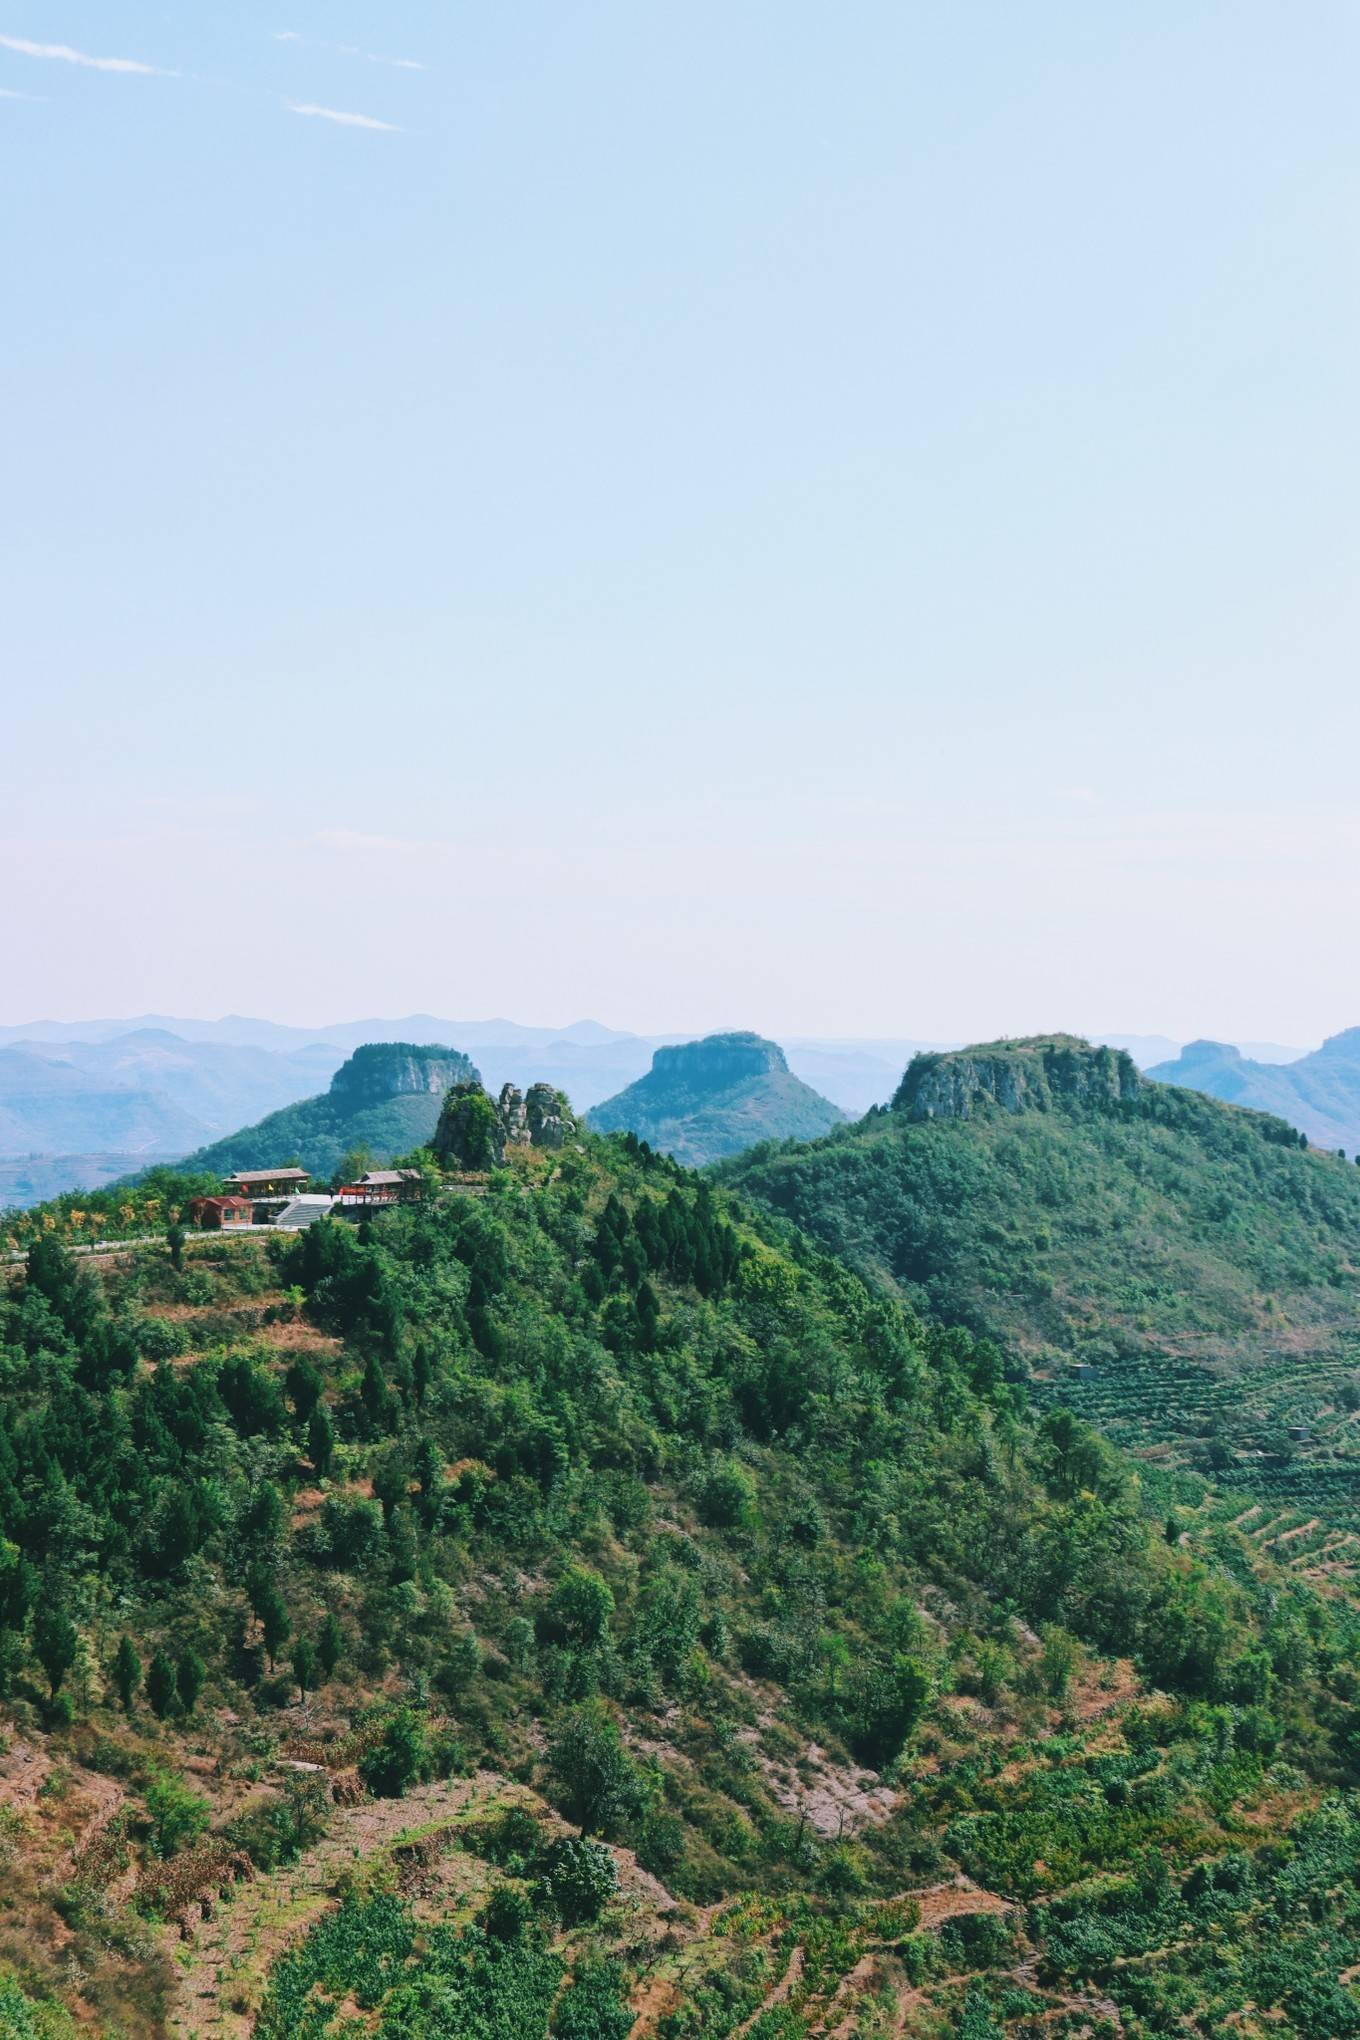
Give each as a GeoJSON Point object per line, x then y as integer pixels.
{"type": "Point", "coordinates": [703, 1100]}
{"type": "Point", "coordinates": [1318, 1093]}
{"type": "Point", "coordinates": [82, 1102]}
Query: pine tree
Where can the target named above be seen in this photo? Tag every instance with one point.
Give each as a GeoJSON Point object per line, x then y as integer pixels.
{"type": "Point", "coordinates": [126, 1673]}
{"type": "Point", "coordinates": [330, 1644]}
{"type": "Point", "coordinates": [162, 1687]}
{"type": "Point", "coordinates": [375, 1395]}
{"type": "Point", "coordinates": [304, 1666]}
{"type": "Point", "coordinates": [274, 1624]}
{"type": "Point", "coordinates": [189, 1676]}
{"type": "Point", "coordinates": [321, 1440]}
{"type": "Point", "coordinates": [54, 1643]}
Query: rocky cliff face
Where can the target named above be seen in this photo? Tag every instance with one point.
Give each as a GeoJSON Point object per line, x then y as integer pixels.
{"type": "Point", "coordinates": [398, 1069]}
{"type": "Point", "coordinates": [474, 1132]}
{"type": "Point", "coordinates": [1017, 1076]}
{"type": "Point", "coordinates": [720, 1060]}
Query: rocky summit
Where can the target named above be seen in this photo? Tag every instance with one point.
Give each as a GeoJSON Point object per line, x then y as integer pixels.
{"type": "Point", "coordinates": [474, 1132]}
{"type": "Point", "coordinates": [397, 1069]}
{"type": "Point", "coordinates": [1030, 1075]}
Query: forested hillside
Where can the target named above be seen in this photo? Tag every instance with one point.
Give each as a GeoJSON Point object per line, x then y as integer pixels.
{"type": "Point", "coordinates": [1184, 1272]}
{"type": "Point", "coordinates": [384, 1101]}
{"type": "Point", "coordinates": [587, 1607]}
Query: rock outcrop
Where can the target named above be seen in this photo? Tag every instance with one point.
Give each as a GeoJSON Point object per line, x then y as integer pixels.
{"type": "Point", "coordinates": [474, 1131]}
{"type": "Point", "coordinates": [1031, 1075]}
{"type": "Point", "coordinates": [551, 1122]}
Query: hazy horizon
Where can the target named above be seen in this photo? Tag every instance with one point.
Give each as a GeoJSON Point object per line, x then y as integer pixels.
{"type": "Point", "coordinates": [534, 1024]}
{"type": "Point", "coordinates": [842, 520]}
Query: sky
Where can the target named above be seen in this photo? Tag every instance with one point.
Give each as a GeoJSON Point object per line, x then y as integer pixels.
{"type": "Point", "coordinates": [834, 519]}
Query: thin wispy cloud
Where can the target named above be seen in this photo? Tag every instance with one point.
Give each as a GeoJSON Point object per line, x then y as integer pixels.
{"type": "Point", "coordinates": [357, 120]}
{"type": "Point", "coordinates": [290, 35]}
{"type": "Point", "coordinates": [5, 93]}
{"type": "Point", "coordinates": [62, 53]}
{"type": "Point", "coordinates": [392, 63]}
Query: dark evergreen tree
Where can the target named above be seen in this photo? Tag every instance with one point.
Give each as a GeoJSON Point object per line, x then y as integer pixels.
{"type": "Point", "coordinates": [162, 1686]}
{"type": "Point", "coordinates": [126, 1673]}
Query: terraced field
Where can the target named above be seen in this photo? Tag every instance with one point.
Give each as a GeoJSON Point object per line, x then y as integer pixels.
{"type": "Point", "coordinates": [1283, 1433]}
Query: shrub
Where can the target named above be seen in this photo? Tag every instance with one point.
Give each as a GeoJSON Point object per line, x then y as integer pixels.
{"type": "Point", "coordinates": [727, 1496]}
{"type": "Point", "coordinates": [579, 1878]}
{"type": "Point", "coordinates": [177, 1815]}
{"type": "Point", "coordinates": [508, 1914]}
{"type": "Point", "coordinates": [398, 1760]}
{"type": "Point", "coordinates": [595, 2006]}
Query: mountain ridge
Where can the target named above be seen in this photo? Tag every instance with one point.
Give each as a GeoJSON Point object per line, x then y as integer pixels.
{"type": "Point", "coordinates": [1319, 1091]}
{"type": "Point", "coordinates": [1181, 1268]}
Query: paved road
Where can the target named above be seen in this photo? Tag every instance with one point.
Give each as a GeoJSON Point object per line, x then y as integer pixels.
{"type": "Point", "coordinates": [191, 1240]}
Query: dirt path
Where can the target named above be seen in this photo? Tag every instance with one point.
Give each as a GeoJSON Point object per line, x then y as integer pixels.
{"type": "Point", "coordinates": [223, 1973]}
{"type": "Point", "coordinates": [950, 1901]}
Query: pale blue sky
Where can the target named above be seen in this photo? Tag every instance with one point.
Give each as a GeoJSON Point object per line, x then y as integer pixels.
{"type": "Point", "coordinates": [827, 518]}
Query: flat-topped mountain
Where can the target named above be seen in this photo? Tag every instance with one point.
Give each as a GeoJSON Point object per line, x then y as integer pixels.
{"type": "Point", "coordinates": [702, 1100]}
{"type": "Point", "coordinates": [1184, 1269]}
{"type": "Point", "coordinates": [1319, 1093]}
{"type": "Point", "coordinates": [395, 1069]}
{"type": "Point", "coordinates": [385, 1099]}
{"type": "Point", "coordinates": [1030, 1075]}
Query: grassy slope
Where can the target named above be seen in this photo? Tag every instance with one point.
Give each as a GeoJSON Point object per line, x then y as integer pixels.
{"type": "Point", "coordinates": [785, 1485]}
{"type": "Point", "coordinates": [1207, 1272]}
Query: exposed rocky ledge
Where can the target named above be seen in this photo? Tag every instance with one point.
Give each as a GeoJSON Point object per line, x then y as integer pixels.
{"type": "Point", "coordinates": [718, 1061]}
{"type": "Point", "coordinates": [398, 1069]}
{"type": "Point", "coordinates": [474, 1131]}
{"type": "Point", "coordinates": [1031, 1075]}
